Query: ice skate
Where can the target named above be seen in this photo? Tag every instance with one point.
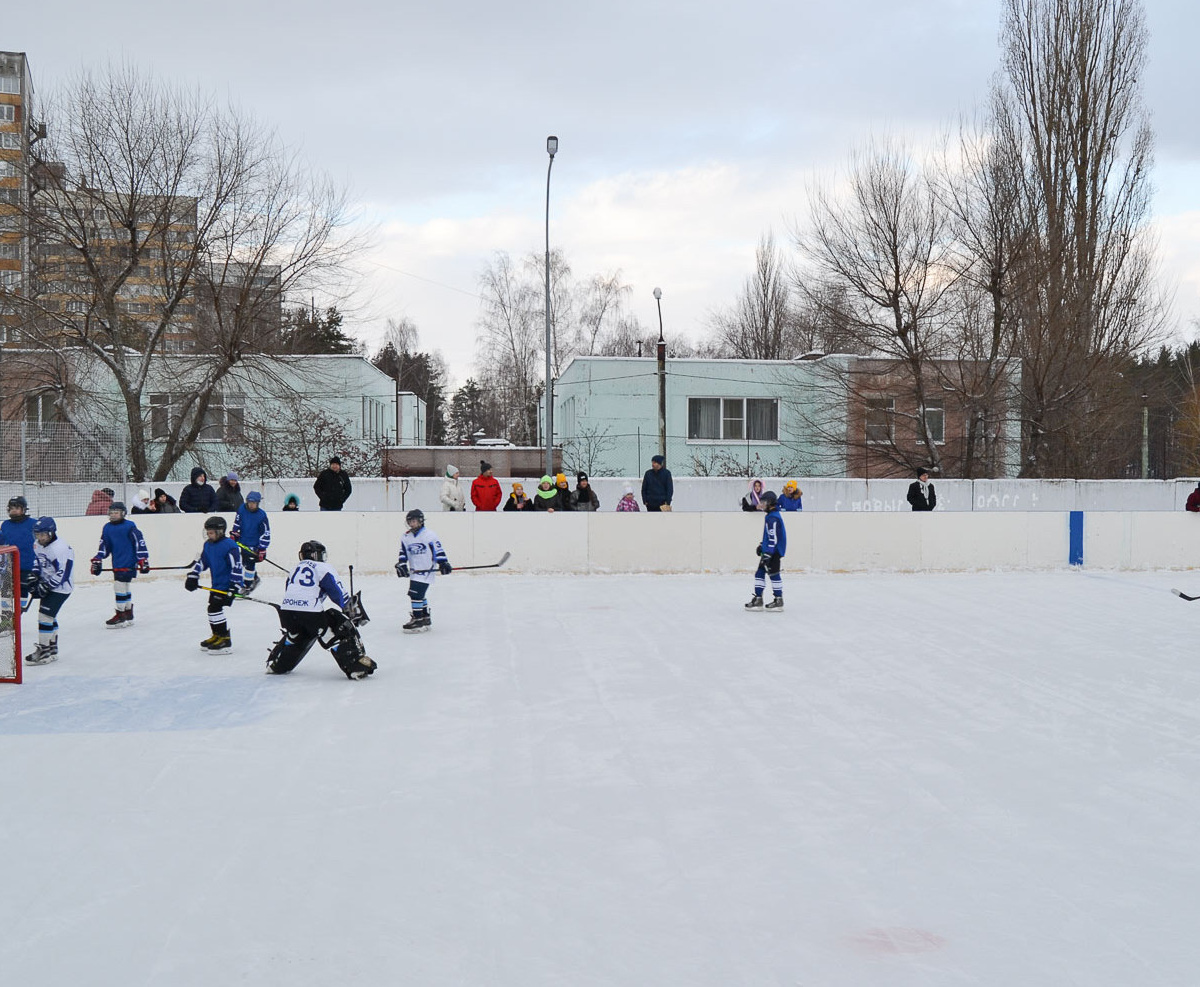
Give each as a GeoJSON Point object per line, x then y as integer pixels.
{"type": "Point", "coordinates": [208, 642]}
{"type": "Point", "coordinates": [756, 603]}
{"type": "Point", "coordinates": [217, 644]}
{"type": "Point", "coordinates": [122, 618]}
{"type": "Point", "coordinates": [251, 586]}
{"type": "Point", "coordinates": [776, 605]}
{"type": "Point", "coordinates": [42, 654]}
{"type": "Point", "coordinates": [368, 666]}
{"type": "Point", "coordinates": [418, 624]}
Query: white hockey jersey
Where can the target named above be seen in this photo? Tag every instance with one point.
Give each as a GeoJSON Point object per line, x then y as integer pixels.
{"type": "Point", "coordinates": [57, 563]}
{"type": "Point", "coordinates": [422, 551]}
{"type": "Point", "coordinates": [310, 585]}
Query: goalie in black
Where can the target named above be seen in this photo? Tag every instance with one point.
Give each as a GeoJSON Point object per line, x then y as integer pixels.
{"type": "Point", "coordinates": [306, 621]}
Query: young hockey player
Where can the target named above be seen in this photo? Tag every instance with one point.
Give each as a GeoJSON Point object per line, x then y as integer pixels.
{"type": "Point", "coordinates": [421, 553]}
{"type": "Point", "coordinates": [770, 554]}
{"type": "Point", "coordinates": [252, 532]}
{"type": "Point", "coordinates": [56, 567]}
{"type": "Point", "coordinates": [124, 542]}
{"type": "Point", "coordinates": [223, 559]}
{"type": "Point", "coordinates": [303, 617]}
{"type": "Point", "coordinates": [18, 532]}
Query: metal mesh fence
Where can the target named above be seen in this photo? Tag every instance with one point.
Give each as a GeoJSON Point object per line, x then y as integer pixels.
{"type": "Point", "coordinates": [604, 453]}
{"type": "Point", "coordinates": [46, 463]}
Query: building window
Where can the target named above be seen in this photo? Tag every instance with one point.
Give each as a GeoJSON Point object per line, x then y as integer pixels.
{"type": "Point", "coordinates": [935, 420]}
{"type": "Point", "coordinates": [8, 113]}
{"type": "Point", "coordinates": [10, 84]}
{"type": "Point", "coordinates": [10, 280]}
{"type": "Point", "coordinates": [733, 419]}
{"type": "Point", "coordinates": [41, 409]}
{"type": "Point", "coordinates": [881, 417]}
{"type": "Point", "coordinates": [10, 251]}
{"type": "Point", "coordinates": [9, 169]}
{"type": "Point", "coordinates": [10, 141]}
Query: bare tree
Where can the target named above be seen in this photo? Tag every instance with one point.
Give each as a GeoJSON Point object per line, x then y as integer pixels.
{"type": "Point", "coordinates": [1072, 112]}
{"type": "Point", "coordinates": [761, 325]}
{"type": "Point", "coordinates": [161, 223]}
{"type": "Point", "coordinates": [512, 329]}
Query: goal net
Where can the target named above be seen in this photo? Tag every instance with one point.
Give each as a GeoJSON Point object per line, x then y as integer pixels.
{"type": "Point", "coordinates": [10, 615]}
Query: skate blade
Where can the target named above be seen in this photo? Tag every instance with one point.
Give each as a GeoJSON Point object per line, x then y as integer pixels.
{"type": "Point", "coordinates": [416, 630]}
{"type": "Point", "coordinates": [41, 661]}
{"type": "Point", "coordinates": [121, 626]}
{"type": "Point", "coordinates": [219, 651]}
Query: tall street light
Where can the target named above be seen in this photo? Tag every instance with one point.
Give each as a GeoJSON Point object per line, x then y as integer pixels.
{"type": "Point", "coordinates": [551, 149]}
{"type": "Point", "coordinates": [662, 379]}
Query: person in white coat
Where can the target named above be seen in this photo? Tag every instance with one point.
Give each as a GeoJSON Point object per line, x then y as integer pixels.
{"type": "Point", "coordinates": [453, 498]}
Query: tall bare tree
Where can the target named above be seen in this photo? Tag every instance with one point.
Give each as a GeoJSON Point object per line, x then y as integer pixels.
{"type": "Point", "coordinates": [761, 325]}
{"type": "Point", "coordinates": [161, 222]}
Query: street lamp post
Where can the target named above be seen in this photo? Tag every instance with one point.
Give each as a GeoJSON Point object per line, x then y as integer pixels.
{"type": "Point", "coordinates": [551, 149]}
{"type": "Point", "coordinates": [662, 379]}
{"type": "Point", "coordinates": [1145, 437]}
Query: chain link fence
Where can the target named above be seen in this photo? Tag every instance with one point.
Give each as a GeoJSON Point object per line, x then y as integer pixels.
{"type": "Point", "coordinates": [47, 463]}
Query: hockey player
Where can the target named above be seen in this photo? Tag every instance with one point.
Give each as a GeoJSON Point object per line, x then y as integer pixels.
{"type": "Point", "coordinates": [18, 532]}
{"type": "Point", "coordinates": [252, 532]}
{"type": "Point", "coordinates": [770, 554]}
{"type": "Point", "coordinates": [124, 542]}
{"type": "Point", "coordinates": [303, 618]}
{"type": "Point", "coordinates": [223, 559]}
{"type": "Point", "coordinates": [422, 555]}
{"type": "Point", "coordinates": [56, 568]}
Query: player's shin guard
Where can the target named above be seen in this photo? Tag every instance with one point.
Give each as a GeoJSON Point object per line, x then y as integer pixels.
{"type": "Point", "coordinates": [347, 648]}
{"type": "Point", "coordinates": [287, 653]}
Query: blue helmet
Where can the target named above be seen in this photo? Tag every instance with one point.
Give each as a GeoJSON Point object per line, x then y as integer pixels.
{"type": "Point", "coordinates": [45, 524]}
{"type": "Point", "coordinates": [253, 495]}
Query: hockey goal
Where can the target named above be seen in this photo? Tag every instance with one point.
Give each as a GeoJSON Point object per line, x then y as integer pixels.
{"type": "Point", "coordinates": [10, 615]}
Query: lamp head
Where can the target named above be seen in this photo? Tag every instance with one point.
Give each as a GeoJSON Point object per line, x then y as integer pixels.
{"type": "Point", "coordinates": [552, 146]}
{"type": "Point", "coordinates": [657, 293]}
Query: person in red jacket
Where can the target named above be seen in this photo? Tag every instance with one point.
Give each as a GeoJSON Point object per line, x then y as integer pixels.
{"type": "Point", "coordinates": [1193, 501]}
{"type": "Point", "coordinates": [485, 489]}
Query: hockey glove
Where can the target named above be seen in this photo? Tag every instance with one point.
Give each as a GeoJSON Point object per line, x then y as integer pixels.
{"type": "Point", "coordinates": [192, 583]}
{"type": "Point", "coordinates": [402, 570]}
{"type": "Point", "coordinates": [445, 568]}
{"type": "Point", "coordinates": [96, 567]}
{"type": "Point", "coordinates": [143, 566]}
{"type": "Point", "coordinates": [758, 550]}
{"type": "Point", "coordinates": [262, 555]}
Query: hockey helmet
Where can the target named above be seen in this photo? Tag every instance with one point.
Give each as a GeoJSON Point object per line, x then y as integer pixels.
{"type": "Point", "coordinates": [117, 507]}
{"type": "Point", "coordinates": [313, 550]}
{"type": "Point", "coordinates": [768, 499]}
{"type": "Point", "coordinates": [253, 497]}
{"type": "Point", "coordinates": [415, 515]}
{"type": "Point", "coordinates": [18, 501]}
{"type": "Point", "coordinates": [215, 523]}
{"type": "Point", "coordinates": [45, 525]}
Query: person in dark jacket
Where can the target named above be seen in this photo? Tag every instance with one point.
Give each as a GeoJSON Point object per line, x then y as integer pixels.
{"type": "Point", "coordinates": [291, 502]}
{"type": "Point", "coordinates": [921, 493]}
{"type": "Point", "coordinates": [517, 501]}
{"type": "Point", "coordinates": [546, 499]}
{"type": "Point", "coordinates": [1193, 501]}
{"type": "Point", "coordinates": [164, 502]}
{"type": "Point", "coordinates": [563, 489]}
{"type": "Point", "coordinates": [584, 497]}
{"type": "Point", "coordinates": [198, 497]}
{"type": "Point", "coordinates": [658, 489]}
{"type": "Point", "coordinates": [229, 493]}
{"type": "Point", "coordinates": [332, 486]}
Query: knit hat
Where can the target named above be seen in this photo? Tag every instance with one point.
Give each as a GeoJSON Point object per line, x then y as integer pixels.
{"type": "Point", "coordinates": [517, 488]}
{"type": "Point", "coordinates": [333, 460]}
{"type": "Point", "coordinates": [451, 469]}
{"type": "Point", "coordinates": [159, 492]}
{"type": "Point", "coordinates": [484, 466]}
{"type": "Point", "coordinates": [547, 494]}
{"type": "Point", "coordinates": [291, 499]}
{"type": "Point", "coordinates": [580, 476]}
{"type": "Point", "coordinates": [560, 479]}
{"type": "Point", "coordinates": [628, 489]}
{"type": "Point", "coordinates": [143, 494]}
{"type": "Point", "coordinates": [231, 476]}
{"type": "Point", "coordinates": [923, 471]}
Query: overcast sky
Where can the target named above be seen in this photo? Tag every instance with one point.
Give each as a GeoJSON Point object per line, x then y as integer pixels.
{"type": "Point", "coordinates": [687, 129]}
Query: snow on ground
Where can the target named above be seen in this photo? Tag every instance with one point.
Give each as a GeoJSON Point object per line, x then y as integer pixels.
{"type": "Point", "coordinates": [618, 780]}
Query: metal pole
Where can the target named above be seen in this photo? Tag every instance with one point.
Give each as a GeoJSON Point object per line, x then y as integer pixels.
{"type": "Point", "coordinates": [1145, 439]}
{"type": "Point", "coordinates": [662, 379]}
{"type": "Point", "coordinates": [551, 149]}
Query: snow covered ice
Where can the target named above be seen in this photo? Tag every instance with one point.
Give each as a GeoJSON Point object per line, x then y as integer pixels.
{"type": "Point", "coordinates": [902, 780]}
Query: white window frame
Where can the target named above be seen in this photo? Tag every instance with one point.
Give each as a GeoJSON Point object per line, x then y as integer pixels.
{"type": "Point", "coordinates": [935, 412]}
{"type": "Point", "coordinates": [10, 84]}
{"type": "Point", "coordinates": [8, 113]}
{"type": "Point", "coordinates": [732, 417]}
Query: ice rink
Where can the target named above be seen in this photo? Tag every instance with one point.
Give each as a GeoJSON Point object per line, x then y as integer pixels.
{"type": "Point", "coordinates": [903, 780]}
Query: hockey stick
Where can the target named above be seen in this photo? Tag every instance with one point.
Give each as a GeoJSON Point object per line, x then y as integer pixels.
{"type": "Point", "coordinates": [153, 568]}
{"type": "Point", "coordinates": [255, 551]}
{"type": "Point", "coordinates": [1184, 596]}
{"type": "Point", "coordinates": [261, 603]}
{"type": "Point", "coordinates": [495, 565]}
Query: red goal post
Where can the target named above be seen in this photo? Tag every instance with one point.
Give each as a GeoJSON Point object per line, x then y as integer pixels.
{"type": "Point", "coordinates": [10, 615]}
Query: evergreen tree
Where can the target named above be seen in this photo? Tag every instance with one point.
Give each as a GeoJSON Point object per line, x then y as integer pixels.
{"type": "Point", "coordinates": [307, 331]}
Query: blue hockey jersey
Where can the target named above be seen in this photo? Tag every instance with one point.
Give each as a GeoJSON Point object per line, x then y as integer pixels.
{"type": "Point", "coordinates": [251, 528]}
{"type": "Point", "coordinates": [124, 542]}
{"type": "Point", "coordinates": [774, 540]}
{"type": "Point", "coordinates": [223, 559]}
{"type": "Point", "coordinates": [19, 534]}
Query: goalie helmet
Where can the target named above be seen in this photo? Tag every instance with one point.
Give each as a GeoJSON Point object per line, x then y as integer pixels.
{"type": "Point", "coordinates": [313, 550]}
{"type": "Point", "coordinates": [45, 525]}
{"type": "Point", "coordinates": [215, 523]}
{"type": "Point", "coordinates": [20, 502]}
{"type": "Point", "coordinates": [415, 515]}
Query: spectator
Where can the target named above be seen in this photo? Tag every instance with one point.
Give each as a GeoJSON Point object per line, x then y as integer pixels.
{"type": "Point", "coordinates": [198, 497]}
{"type": "Point", "coordinates": [628, 502]}
{"type": "Point", "coordinates": [517, 501]}
{"type": "Point", "coordinates": [563, 488]}
{"type": "Point", "coordinates": [584, 497]}
{"type": "Point", "coordinates": [547, 496]}
{"type": "Point", "coordinates": [229, 492]}
{"type": "Point", "coordinates": [1193, 501]}
{"type": "Point", "coordinates": [452, 495]}
{"type": "Point", "coordinates": [790, 501]}
{"type": "Point", "coordinates": [142, 503]}
{"type": "Point", "coordinates": [333, 486]}
{"type": "Point", "coordinates": [291, 502]}
{"type": "Point", "coordinates": [485, 489]}
{"type": "Point", "coordinates": [753, 499]}
{"type": "Point", "coordinates": [98, 505]}
{"type": "Point", "coordinates": [921, 493]}
{"type": "Point", "coordinates": [164, 503]}
{"type": "Point", "coordinates": [658, 489]}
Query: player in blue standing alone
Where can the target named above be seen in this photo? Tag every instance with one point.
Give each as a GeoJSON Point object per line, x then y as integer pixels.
{"type": "Point", "coordinates": [770, 556]}
{"type": "Point", "coordinates": [18, 532]}
{"type": "Point", "coordinates": [121, 539]}
{"type": "Point", "coordinates": [252, 532]}
{"type": "Point", "coordinates": [223, 559]}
